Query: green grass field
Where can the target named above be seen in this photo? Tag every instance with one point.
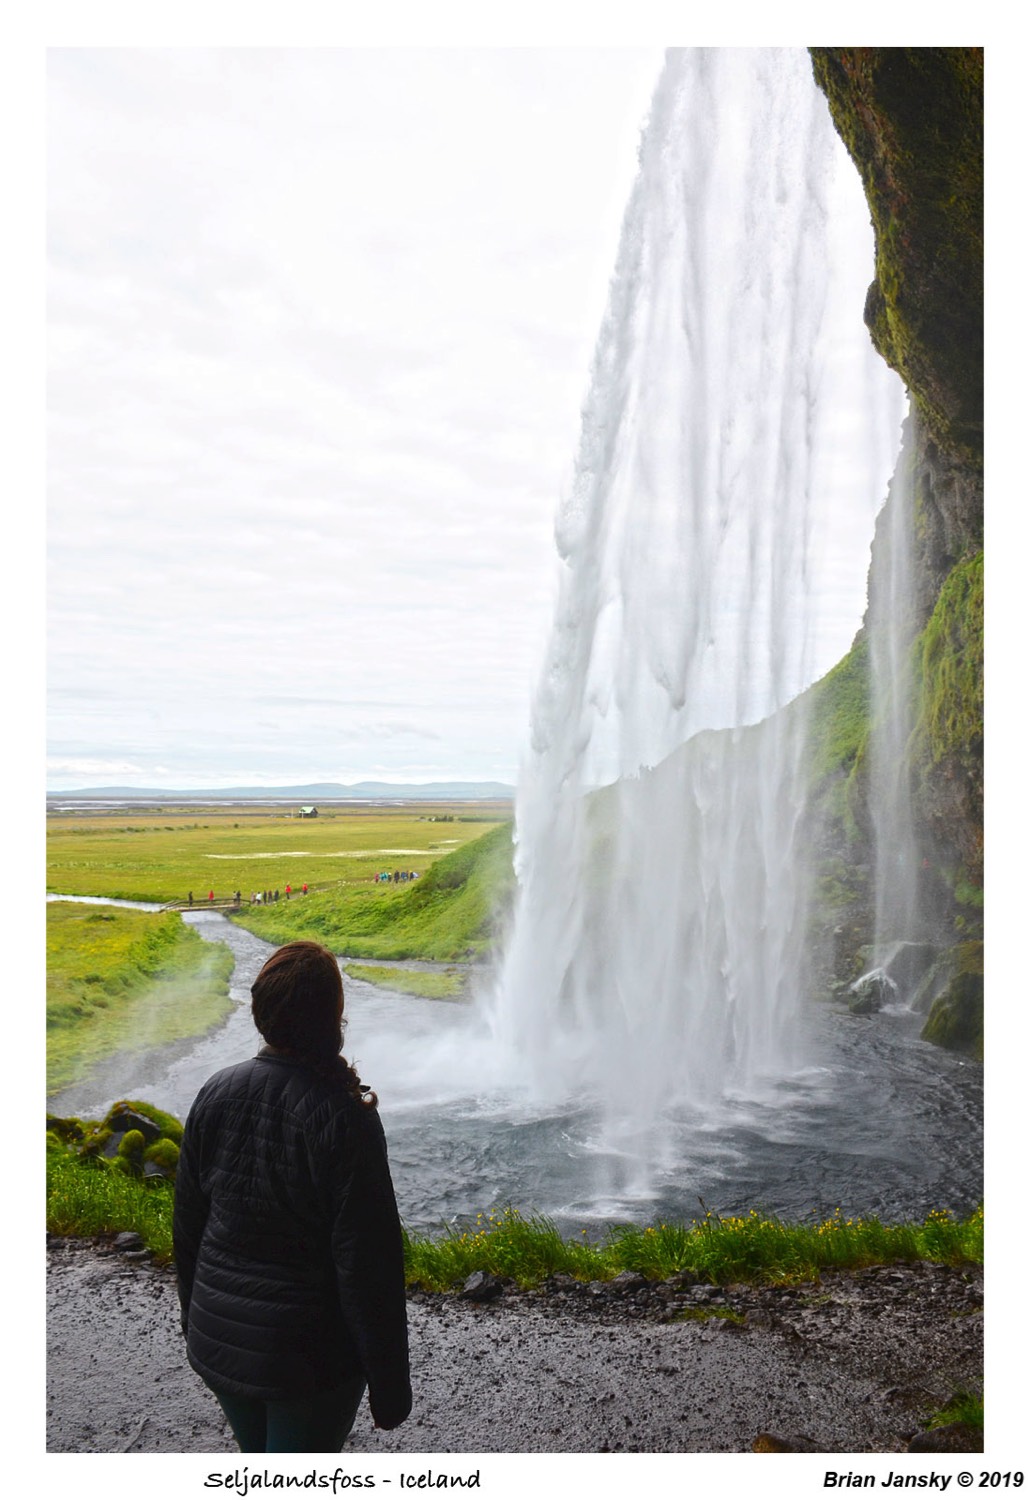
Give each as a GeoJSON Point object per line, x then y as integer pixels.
{"type": "Point", "coordinates": [118, 979]}
{"type": "Point", "coordinates": [450, 912]}
{"type": "Point", "coordinates": [162, 854]}
{"type": "Point", "coordinates": [428, 984]}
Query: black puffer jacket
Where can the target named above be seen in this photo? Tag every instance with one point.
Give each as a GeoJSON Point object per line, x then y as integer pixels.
{"type": "Point", "coordinates": [287, 1240]}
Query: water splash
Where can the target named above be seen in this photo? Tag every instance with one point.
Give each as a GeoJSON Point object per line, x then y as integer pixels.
{"type": "Point", "coordinates": [656, 956]}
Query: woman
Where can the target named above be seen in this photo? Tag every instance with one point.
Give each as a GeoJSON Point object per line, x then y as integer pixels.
{"type": "Point", "coordinates": [287, 1240]}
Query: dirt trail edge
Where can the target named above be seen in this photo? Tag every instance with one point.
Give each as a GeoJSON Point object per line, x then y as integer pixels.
{"type": "Point", "coordinates": [850, 1364]}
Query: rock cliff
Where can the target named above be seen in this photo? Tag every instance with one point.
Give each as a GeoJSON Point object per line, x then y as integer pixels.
{"type": "Point", "coordinates": [912, 120]}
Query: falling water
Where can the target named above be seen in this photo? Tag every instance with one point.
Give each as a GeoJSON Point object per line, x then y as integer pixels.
{"type": "Point", "coordinates": [656, 955]}
{"type": "Point", "coordinates": [891, 624]}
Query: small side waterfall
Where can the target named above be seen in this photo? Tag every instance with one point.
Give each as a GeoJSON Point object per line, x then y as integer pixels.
{"type": "Point", "coordinates": [656, 955]}
{"type": "Point", "coordinates": [891, 624]}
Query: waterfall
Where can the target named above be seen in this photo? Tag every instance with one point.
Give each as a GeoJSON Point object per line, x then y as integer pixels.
{"type": "Point", "coordinates": [656, 955]}
{"type": "Point", "coordinates": [891, 625]}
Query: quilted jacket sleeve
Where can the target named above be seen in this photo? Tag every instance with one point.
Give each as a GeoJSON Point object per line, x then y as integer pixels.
{"type": "Point", "coordinates": [189, 1216]}
{"type": "Point", "coordinates": [368, 1255]}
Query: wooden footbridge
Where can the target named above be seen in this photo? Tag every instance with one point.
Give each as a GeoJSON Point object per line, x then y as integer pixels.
{"type": "Point", "coordinates": [220, 903]}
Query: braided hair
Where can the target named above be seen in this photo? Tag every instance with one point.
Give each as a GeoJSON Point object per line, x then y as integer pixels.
{"type": "Point", "coordinates": [297, 1005]}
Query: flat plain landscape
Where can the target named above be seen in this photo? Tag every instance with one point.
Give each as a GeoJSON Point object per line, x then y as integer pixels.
{"type": "Point", "coordinates": [162, 853]}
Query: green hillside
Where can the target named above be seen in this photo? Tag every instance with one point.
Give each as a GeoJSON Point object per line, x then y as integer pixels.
{"type": "Point", "coordinates": [450, 912]}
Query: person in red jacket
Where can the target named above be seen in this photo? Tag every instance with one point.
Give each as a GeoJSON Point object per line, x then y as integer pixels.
{"type": "Point", "coordinates": [288, 1245]}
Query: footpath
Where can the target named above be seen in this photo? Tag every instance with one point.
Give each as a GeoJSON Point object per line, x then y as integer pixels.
{"type": "Point", "coordinates": [851, 1364]}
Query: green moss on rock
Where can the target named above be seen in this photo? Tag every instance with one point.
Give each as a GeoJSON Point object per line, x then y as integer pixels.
{"type": "Point", "coordinates": [95, 1143]}
{"type": "Point", "coordinates": [67, 1129]}
{"type": "Point", "coordinates": [947, 745]}
{"type": "Point", "coordinates": [131, 1148]}
{"type": "Point", "coordinates": [950, 658]}
{"type": "Point", "coordinates": [837, 713]}
{"type": "Point", "coordinates": [133, 1137]}
{"type": "Point", "coordinates": [163, 1155]}
{"type": "Point", "coordinates": [838, 709]}
{"type": "Point", "coordinates": [912, 120]}
{"type": "Point", "coordinates": [956, 1018]}
{"type": "Point", "coordinates": [164, 1123]}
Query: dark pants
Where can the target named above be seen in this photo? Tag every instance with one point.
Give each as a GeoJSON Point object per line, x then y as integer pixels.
{"type": "Point", "coordinates": [305, 1424]}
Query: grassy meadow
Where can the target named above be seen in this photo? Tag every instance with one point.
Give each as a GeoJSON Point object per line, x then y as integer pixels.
{"type": "Point", "coordinates": [119, 979]}
{"type": "Point", "coordinates": [162, 853]}
{"type": "Point", "coordinates": [428, 984]}
{"type": "Point", "coordinates": [450, 912]}
{"type": "Point", "coordinates": [462, 856]}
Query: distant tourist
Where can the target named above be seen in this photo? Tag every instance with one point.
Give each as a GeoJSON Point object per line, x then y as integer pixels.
{"type": "Point", "coordinates": [189, 898]}
{"type": "Point", "coordinates": [210, 895]}
{"type": "Point", "coordinates": [287, 893]}
{"type": "Point", "coordinates": [287, 1240]}
{"type": "Point", "coordinates": [304, 889]}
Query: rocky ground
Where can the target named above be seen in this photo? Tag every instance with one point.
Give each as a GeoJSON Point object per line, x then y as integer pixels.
{"type": "Point", "coordinates": [851, 1364]}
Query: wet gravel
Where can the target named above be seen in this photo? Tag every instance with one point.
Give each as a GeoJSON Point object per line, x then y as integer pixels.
{"type": "Point", "coordinates": [852, 1363]}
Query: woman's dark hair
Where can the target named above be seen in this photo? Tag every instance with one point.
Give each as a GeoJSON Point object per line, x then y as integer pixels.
{"type": "Point", "coordinates": [297, 1005]}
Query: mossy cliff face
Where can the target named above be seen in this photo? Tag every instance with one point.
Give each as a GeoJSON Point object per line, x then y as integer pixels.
{"type": "Point", "coordinates": [947, 747]}
{"type": "Point", "coordinates": [912, 120]}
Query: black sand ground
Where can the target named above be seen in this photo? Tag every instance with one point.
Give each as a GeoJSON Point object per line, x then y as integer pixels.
{"type": "Point", "coordinates": [851, 1364]}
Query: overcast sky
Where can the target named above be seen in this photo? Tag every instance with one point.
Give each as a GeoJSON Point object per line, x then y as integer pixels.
{"type": "Point", "coordinates": [320, 329]}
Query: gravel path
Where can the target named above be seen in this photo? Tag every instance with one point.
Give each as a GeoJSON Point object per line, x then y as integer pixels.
{"type": "Point", "coordinates": [851, 1364]}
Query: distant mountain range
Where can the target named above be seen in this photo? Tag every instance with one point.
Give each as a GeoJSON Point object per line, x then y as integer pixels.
{"type": "Point", "coordinates": [324, 791]}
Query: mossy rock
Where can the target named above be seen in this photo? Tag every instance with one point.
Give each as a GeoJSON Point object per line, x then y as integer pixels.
{"type": "Point", "coordinates": [67, 1130]}
{"type": "Point", "coordinates": [96, 1142]}
{"type": "Point", "coordinates": [956, 1018]}
{"type": "Point", "coordinates": [133, 1114]}
{"type": "Point", "coordinates": [133, 1137]}
{"type": "Point", "coordinates": [130, 1150]}
{"type": "Point", "coordinates": [162, 1157]}
{"type": "Point", "coordinates": [933, 984]}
